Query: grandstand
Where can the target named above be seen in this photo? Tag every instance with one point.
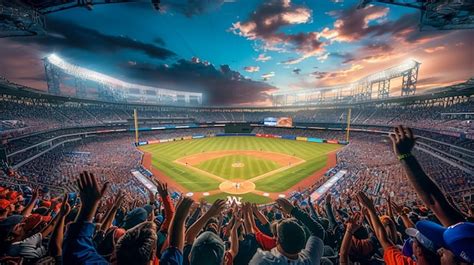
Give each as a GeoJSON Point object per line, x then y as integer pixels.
{"type": "Point", "coordinates": [47, 122]}
{"type": "Point", "coordinates": [246, 155]}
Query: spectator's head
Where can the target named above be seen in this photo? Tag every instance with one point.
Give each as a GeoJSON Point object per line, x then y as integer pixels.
{"type": "Point", "coordinates": [423, 249]}
{"type": "Point", "coordinates": [456, 242]}
{"type": "Point", "coordinates": [9, 224]}
{"type": "Point", "coordinates": [5, 207]}
{"type": "Point", "coordinates": [208, 249]}
{"type": "Point", "coordinates": [138, 245]}
{"type": "Point", "coordinates": [135, 217]}
{"type": "Point", "coordinates": [291, 238]}
{"type": "Point", "coordinates": [107, 246]}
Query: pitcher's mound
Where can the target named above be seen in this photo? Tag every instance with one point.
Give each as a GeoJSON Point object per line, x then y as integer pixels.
{"type": "Point", "coordinates": [237, 186]}
{"type": "Point", "coordinates": [238, 164]}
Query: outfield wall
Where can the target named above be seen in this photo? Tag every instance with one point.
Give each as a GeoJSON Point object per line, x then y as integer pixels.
{"type": "Point", "coordinates": [287, 137]}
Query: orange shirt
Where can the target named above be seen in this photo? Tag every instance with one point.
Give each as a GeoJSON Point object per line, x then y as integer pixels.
{"type": "Point", "coordinates": [394, 256]}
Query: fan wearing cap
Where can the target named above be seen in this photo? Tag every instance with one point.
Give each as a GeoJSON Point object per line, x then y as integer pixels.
{"type": "Point", "coordinates": [292, 246]}
{"type": "Point", "coordinates": [455, 243]}
{"type": "Point", "coordinates": [28, 247]}
{"type": "Point", "coordinates": [5, 208]}
{"type": "Point", "coordinates": [200, 224]}
{"type": "Point", "coordinates": [392, 254]}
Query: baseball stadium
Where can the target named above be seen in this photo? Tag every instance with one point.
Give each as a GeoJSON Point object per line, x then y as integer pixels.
{"type": "Point", "coordinates": [237, 132]}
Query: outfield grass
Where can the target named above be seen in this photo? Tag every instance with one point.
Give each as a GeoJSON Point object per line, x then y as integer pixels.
{"type": "Point", "coordinates": [252, 166]}
{"type": "Point", "coordinates": [283, 180]}
{"type": "Point", "coordinates": [165, 153]}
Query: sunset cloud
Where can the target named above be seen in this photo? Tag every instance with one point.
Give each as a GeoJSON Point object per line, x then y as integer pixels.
{"type": "Point", "coordinates": [434, 49]}
{"type": "Point", "coordinates": [263, 58]}
{"type": "Point", "coordinates": [251, 69]}
{"type": "Point", "coordinates": [268, 75]}
{"type": "Point", "coordinates": [265, 25]}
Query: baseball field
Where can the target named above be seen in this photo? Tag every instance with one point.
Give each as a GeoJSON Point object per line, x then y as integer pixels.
{"type": "Point", "coordinates": [255, 169]}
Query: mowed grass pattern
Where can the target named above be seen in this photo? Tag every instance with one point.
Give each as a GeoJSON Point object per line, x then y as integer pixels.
{"type": "Point", "coordinates": [165, 153]}
{"type": "Point", "coordinates": [252, 166]}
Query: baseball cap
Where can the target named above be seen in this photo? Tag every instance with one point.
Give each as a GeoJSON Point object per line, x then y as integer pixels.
{"type": "Point", "coordinates": [4, 204]}
{"type": "Point", "coordinates": [422, 239]}
{"type": "Point", "coordinates": [34, 220]}
{"type": "Point", "coordinates": [458, 238]}
{"type": "Point", "coordinates": [207, 249]}
{"type": "Point", "coordinates": [135, 217]}
{"type": "Point", "coordinates": [8, 223]}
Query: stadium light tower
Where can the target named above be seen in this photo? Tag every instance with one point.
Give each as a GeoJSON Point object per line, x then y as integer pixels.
{"type": "Point", "coordinates": [360, 90]}
{"type": "Point", "coordinates": [110, 88]}
{"type": "Point", "coordinates": [436, 14]}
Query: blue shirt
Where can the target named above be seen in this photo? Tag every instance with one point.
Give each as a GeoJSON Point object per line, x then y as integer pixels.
{"type": "Point", "coordinates": [78, 247]}
{"type": "Point", "coordinates": [171, 256]}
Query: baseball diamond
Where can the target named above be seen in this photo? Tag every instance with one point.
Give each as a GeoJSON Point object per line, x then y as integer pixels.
{"type": "Point", "coordinates": [256, 169]}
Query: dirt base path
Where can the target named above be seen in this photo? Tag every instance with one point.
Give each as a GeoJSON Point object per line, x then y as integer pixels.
{"type": "Point", "coordinates": [230, 184]}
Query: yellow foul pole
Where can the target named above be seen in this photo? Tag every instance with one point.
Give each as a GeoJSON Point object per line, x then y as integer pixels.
{"type": "Point", "coordinates": [348, 129]}
{"type": "Point", "coordinates": [135, 117]}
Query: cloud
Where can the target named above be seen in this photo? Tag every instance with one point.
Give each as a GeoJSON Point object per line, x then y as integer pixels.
{"type": "Point", "coordinates": [336, 74]}
{"type": "Point", "coordinates": [263, 58]}
{"type": "Point", "coordinates": [220, 85]}
{"type": "Point", "coordinates": [323, 57]}
{"type": "Point", "coordinates": [374, 52]}
{"type": "Point", "coordinates": [434, 49]}
{"type": "Point", "coordinates": [65, 35]}
{"type": "Point", "coordinates": [352, 24]}
{"type": "Point", "coordinates": [265, 25]}
{"type": "Point", "coordinates": [251, 69]}
{"type": "Point", "coordinates": [268, 76]}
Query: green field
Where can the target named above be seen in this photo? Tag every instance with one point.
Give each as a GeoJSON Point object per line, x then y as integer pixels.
{"type": "Point", "coordinates": [252, 166]}
{"type": "Point", "coordinates": [164, 154]}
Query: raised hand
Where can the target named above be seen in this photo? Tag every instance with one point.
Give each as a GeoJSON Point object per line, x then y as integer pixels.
{"type": "Point", "coordinates": [354, 222]}
{"type": "Point", "coordinates": [217, 207]}
{"type": "Point", "coordinates": [365, 201]}
{"type": "Point", "coordinates": [162, 189]}
{"type": "Point", "coordinates": [183, 206]}
{"type": "Point", "coordinates": [403, 140]}
{"type": "Point", "coordinates": [151, 196]}
{"type": "Point", "coordinates": [285, 205]}
{"type": "Point", "coordinates": [65, 207]}
{"type": "Point", "coordinates": [176, 229]}
{"type": "Point", "coordinates": [90, 193]}
{"type": "Point", "coordinates": [397, 208]}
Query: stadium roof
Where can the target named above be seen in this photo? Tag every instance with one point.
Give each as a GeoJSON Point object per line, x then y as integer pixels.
{"type": "Point", "coordinates": [461, 89]}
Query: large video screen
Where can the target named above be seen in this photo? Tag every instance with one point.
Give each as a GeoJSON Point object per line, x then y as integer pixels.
{"type": "Point", "coordinates": [280, 122]}
{"type": "Point", "coordinates": [270, 121]}
{"type": "Point", "coordinates": [285, 122]}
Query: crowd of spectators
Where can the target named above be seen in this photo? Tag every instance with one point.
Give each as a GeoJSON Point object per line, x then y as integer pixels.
{"type": "Point", "coordinates": [41, 115]}
{"type": "Point", "coordinates": [390, 208]}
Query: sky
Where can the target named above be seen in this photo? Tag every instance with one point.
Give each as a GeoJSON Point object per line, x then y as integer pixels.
{"type": "Point", "coordinates": [237, 52]}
